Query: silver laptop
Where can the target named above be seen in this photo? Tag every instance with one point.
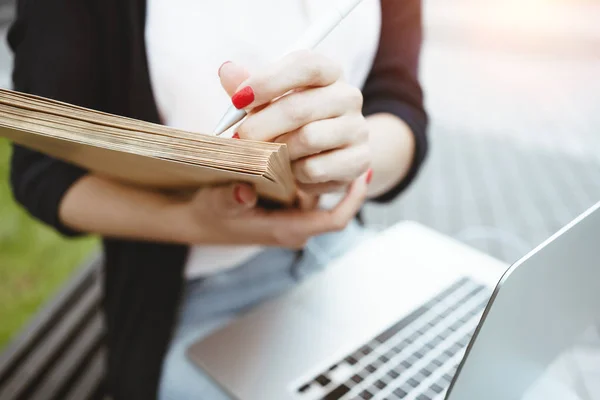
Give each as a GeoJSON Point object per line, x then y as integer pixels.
{"type": "Point", "coordinates": [412, 314]}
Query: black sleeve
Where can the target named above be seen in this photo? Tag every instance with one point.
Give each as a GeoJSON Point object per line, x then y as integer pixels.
{"type": "Point", "coordinates": [54, 60]}
{"type": "Point", "coordinates": [393, 85]}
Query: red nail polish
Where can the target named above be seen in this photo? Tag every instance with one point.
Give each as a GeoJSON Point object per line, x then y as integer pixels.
{"type": "Point", "coordinates": [369, 176]}
{"type": "Point", "coordinates": [243, 98]}
{"type": "Point", "coordinates": [237, 193]}
{"type": "Point", "coordinates": [236, 136]}
{"type": "Point", "coordinates": [221, 67]}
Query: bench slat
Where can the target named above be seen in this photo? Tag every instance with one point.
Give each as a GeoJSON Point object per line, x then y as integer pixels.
{"type": "Point", "coordinates": [70, 362]}
{"type": "Point", "coordinates": [88, 384]}
{"type": "Point", "coordinates": [41, 357]}
{"type": "Point", "coordinates": [44, 322]}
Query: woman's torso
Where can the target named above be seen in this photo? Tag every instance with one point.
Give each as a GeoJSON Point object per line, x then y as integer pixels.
{"type": "Point", "coordinates": [188, 40]}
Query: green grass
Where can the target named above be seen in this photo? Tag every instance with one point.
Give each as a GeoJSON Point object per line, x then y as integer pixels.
{"type": "Point", "coordinates": [34, 260]}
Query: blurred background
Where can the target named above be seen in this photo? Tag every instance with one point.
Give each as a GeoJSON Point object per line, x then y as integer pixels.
{"type": "Point", "coordinates": [513, 91]}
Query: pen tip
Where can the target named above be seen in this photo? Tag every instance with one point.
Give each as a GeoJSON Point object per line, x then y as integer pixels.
{"type": "Point", "coordinates": [231, 117]}
{"type": "Point", "coordinates": [221, 127]}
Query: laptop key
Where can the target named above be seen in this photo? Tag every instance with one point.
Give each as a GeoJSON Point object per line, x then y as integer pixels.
{"type": "Point", "coordinates": [337, 393]}
{"type": "Point", "coordinates": [393, 374]}
{"type": "Point", "coordinates": [390, 332]}
{"type": "Point", "coordinates": [423, 397]}
{"type": "Point", "coordinates": [437, 362]}
{"type": "Point", "coordinates": [351, 360]}
{"type": "Point", "coordinates": [397, 349]}
{"type": "Point", "coordinates": [443, 357]}
{"type": "Point", "coordinates": [379, 384]}
{"type": "Point", "coordinates": [304, 388]}
{"type": "Point", "coordinates": [390, 354]}
{"type": "Point", "coordinates": [400, 393]}
{"type": "Point", "coordinates": [412, 382]}
{"type": "Point", "coordinates": [323, 380]}
{"type": "Point", "coordinates": [436, 388]}
{"type": "Point", "coordinates": [445, 334]}
{"type": "Point", "coordinates": [419, 377]}
{"type": "Point", "coordinates": [366, 395]}
{"type": "Point", "coordinates": [442, 382]}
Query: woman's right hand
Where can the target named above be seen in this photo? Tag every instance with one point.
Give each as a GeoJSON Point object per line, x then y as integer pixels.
{"type": "Point", "coordinates": [227, 215]}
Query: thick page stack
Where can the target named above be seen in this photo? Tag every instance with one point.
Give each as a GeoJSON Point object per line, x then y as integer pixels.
{"type": "Point", "coordinates": [142, 153]}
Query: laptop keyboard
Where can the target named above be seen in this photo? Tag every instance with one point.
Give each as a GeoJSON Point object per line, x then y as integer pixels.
{"type": "Point", "coordinates": [416, 358]}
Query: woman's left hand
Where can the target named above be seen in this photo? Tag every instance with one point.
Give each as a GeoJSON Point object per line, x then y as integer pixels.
{"type": "Point", "coordinates": [319, 118]}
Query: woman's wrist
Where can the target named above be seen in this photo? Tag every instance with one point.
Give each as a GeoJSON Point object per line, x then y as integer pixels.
{"type": "Point", "coordinates": [392, 147]}
{"type": "Point", "coordinates": [177, 224]}
{"type": "Point", "coordinates": [100, 206]}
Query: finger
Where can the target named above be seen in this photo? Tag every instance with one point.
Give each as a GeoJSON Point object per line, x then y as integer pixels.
{"type": "Point", "coordinates": [342, 165]}
{"type": "Point", "coordinates": [297, 226]}
{"type": "Point", "coordinates": [327, 134]}
{"type": "Point", "coordinates": [231, 76]}
{"type": "Point", "coordinates": [299, 69]}
{"type": "Point", "coordinates": [323, 188]}
{"type": "Point", "coordinates": [307, 201]}
{"type": "Point", "coordinates": [229, 200]}
{"type": "Point", "coordinates": [297, 109]}
{"type": "Point", "coordinates": [339, 217]}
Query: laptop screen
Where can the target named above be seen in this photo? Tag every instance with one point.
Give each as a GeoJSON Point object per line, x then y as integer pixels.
{"type": "Point", "coordinates": [574, 374]}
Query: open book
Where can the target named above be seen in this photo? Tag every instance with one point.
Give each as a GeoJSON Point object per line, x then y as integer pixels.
{"type": "Point", "coordinates": [142, 153]}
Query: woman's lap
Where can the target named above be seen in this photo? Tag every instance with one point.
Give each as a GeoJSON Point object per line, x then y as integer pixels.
{"type": "Point", "coordinates": [213, 302]}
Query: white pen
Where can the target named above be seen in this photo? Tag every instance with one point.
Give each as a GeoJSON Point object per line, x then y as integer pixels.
{"type": "Point", "coordinates": [309, 40]}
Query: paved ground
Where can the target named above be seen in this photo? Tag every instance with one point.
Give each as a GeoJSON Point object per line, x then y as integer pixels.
{"type": "Point", "coordinates": [513, 89]}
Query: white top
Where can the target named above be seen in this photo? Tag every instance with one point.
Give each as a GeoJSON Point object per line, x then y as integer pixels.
{"type": "Point", "coordinates": [188, 40]}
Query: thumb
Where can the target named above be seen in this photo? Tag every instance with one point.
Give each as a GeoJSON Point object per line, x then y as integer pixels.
{"type": "Point", "coordinates": [232, 75]}
{"type": "Point", "coordinates": [227, 201]}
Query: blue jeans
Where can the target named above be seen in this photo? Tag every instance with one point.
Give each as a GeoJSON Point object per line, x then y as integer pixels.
{"type": "Point", "coordinates": [212, 302]}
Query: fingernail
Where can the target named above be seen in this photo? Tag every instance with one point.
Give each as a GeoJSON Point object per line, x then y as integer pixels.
{"type": "Point", "coordinates": [369, 176]}
{"type": "Point", "coordinates": [236, 136]}
{"type": "Point", "coordinates": [243, 98]}
{"type": "Point", "coordinates": [221, 67]}
{"type": "Point", "coordinates": [237, 193]}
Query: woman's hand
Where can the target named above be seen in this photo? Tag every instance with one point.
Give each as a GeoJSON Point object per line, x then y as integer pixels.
{"type": "Point", "coordinates": [319, 118]}
{"type": "Point", "coordinates": [227, 215]}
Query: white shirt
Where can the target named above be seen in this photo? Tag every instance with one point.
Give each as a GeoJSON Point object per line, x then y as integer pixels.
{"type": "Point", "coordinates": [188, 40]}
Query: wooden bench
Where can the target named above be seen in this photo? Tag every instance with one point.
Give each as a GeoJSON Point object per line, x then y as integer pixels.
{"type": "Point", "coordinates": [60, 355]}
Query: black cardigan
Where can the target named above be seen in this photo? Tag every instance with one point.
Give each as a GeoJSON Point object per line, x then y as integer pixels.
{"type": "Point", "coordinates": [92, 53]}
